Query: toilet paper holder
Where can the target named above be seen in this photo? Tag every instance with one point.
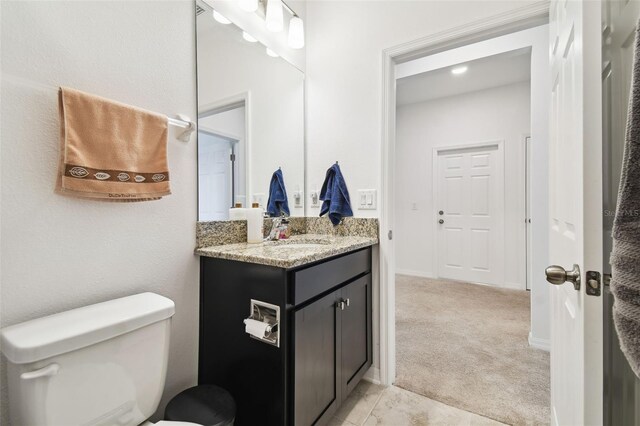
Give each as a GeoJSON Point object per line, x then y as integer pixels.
{"type": "Point", "coordinates": [270, 314]}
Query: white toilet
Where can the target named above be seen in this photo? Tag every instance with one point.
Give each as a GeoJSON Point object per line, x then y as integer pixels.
{"type": "Point", "coordinates": [103, 364]}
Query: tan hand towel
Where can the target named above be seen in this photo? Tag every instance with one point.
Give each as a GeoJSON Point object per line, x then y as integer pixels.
{"type": "Point", "coordinates": [111, 151]}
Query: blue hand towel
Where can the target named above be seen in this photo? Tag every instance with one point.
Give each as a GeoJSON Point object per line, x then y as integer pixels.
{"type": "Point", "coordinates": [278, 202]}
{"type": "Point", "coordinates": [335, 196]}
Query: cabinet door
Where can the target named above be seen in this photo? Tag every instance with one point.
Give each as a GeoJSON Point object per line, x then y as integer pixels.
{"type": "Point", "coordinates": [356, 333]}
{"type": "Point", "coordinates": [316, 337]}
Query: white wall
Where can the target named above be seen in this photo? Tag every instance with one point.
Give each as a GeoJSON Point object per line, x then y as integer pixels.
{"type": "Point", "coordinates": [232, 124]}
{"type": "Point", "coordinates": [501, 113]}
{"type": "Point", "coordinates": [58, 252]}
{"type": "Point", "coordinates": [229, 66]}
{"type": "Point", "coordinates": [345, 40]}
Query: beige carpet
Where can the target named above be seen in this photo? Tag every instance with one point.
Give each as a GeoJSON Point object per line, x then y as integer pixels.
{"type": "Point", "coordinates": [466, 345]}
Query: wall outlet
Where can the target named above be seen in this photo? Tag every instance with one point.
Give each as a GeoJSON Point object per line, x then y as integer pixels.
{"type": "Point", "coordinates": [367, 199]}
{"type": "Point", "coordinates": [298, 196]}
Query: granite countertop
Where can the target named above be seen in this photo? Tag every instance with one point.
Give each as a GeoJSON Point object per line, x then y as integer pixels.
{"type": "Point", "coordinates": [295, 251]}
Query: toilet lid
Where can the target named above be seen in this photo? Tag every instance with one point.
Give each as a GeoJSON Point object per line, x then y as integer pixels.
{"type": "Point", "coordinates": [172, 423]}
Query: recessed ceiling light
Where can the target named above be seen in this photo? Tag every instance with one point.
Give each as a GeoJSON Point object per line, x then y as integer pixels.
{"type": "Point", "coordinates": [459, 70]}
{"type": "Point", "coordinates": [248, 37]}
{"type": "Point", "coordinates": [272, 53]}
{"type": "Point", "coordinates": [218, 17]}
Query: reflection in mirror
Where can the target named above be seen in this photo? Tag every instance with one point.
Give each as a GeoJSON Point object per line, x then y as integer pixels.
{"type": "Point", "coordinates": [250, 121]}
{"type": "Point", "coordinates": [221, 161]}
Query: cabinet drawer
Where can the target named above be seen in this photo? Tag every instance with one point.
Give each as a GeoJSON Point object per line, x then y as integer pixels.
{"type": "Point", "coordinates": [310, 282]}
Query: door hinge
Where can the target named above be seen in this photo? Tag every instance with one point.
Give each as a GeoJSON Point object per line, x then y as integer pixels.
{"type": "Point", "coordinates": [390, 235]}
{"type": "Point", "coordinates": [232, 157]}
{"type": "Point", "coordinates": [593, 283]}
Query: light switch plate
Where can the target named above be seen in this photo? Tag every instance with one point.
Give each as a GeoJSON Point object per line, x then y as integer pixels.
{"type": "Point", "coordinates": [314, 197]}
{"type": "Point", "coordinates": [297, 199]}
{"type": "Point", "coordinates": [367, 199]}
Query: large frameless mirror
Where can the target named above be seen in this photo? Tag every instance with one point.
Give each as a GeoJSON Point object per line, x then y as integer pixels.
{"type": "Point", "coordinates": [250, 120]}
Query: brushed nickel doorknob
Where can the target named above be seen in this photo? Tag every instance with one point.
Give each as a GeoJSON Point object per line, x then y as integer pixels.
{"type": "Point", "coordinates": [557, 275]}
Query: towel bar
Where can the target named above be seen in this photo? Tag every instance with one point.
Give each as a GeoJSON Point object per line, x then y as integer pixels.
{"type": "Point", "coordinates": [183, 122]}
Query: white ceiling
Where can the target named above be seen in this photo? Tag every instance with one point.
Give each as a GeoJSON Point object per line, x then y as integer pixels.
{"type": "Point", "coordinates": [493, 71]}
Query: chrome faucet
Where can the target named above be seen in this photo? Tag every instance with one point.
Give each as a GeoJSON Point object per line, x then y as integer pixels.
{"type": "Point", "coordinates": [279, 225]}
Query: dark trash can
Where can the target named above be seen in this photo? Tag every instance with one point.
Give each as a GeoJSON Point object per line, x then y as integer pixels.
{"type": "Point", "coordinates": [207, 405]}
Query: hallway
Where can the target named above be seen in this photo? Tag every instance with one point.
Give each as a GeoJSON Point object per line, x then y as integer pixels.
{"type": "Point", "coordinates": [466, 345]}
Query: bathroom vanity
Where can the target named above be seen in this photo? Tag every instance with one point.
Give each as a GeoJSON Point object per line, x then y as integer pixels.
{"type": "Point", "coordinates": [322, 344]}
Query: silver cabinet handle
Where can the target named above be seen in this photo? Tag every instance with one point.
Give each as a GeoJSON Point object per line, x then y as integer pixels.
{"type": "Point", "coordinates": [557, 275]}
{"type": "Point", "coordinates": [340, 305]}
{"type": "Point", "coordinates": [49, 370]}
{"type": "Point", "coordinates": [347, 302]}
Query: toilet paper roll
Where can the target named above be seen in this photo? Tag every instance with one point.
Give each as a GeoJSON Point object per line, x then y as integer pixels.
{"type": "Point", "coordinates": [255, 328]}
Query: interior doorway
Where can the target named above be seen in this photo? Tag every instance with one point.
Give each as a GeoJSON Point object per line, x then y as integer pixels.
{"type": "Point", "coordinates": [222, 162]}
{"type": "Point", "coordinates": [466, 180]}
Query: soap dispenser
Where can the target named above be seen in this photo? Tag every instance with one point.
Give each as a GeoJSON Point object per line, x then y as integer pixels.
{"type": "Point", "coordinates": [237, 212]}
{"type": "Point", "coordinates": [255, 224]}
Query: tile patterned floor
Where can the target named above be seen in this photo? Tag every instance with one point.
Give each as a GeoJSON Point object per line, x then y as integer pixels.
{"type": "Point", "coordinates": [376, 405]}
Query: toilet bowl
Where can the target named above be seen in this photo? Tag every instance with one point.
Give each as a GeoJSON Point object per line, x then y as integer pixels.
{"type": "Point", "coordinates": [101, 364]}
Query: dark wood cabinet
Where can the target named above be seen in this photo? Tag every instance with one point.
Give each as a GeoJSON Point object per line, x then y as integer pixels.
{"type": "Point", "coordinates": [325, 343]}
{"type": "Point", "coordinates": [316, 343]}
{"type": "Point", "coordinates": [332, 350]}
{"type": "Point", "coordinates": [356, 332]}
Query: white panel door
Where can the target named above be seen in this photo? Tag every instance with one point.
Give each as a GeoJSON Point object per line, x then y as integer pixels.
{"type": "Point", "coordinates": [469, 201]}
{"type": "Point", "coordinates": [214, 183]}
{"type": "Point", "coordinates": [576, 215]}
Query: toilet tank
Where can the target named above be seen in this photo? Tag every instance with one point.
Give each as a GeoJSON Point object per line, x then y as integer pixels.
{"type": "Point", "coordinates": [102, 364]}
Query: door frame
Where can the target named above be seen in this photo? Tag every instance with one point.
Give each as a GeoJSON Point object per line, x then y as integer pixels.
{"type": "Point", "coordinates": [499, 143]}
{"type": "Point", "coordinates": [227, 104]}
{"type": "Point", "coordinates": [521, 18]}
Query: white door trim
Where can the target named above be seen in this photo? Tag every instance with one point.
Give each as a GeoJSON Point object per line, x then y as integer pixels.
{"type": "Point", "coordinates": [435, 152]}
{"type": "Point", "coordinates": [518, 19]}
{"type": "Point", "coordinates": [229, 103]}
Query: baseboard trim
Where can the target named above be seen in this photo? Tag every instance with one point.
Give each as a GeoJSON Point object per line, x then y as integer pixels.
{"type": "Point", "coordinates": [372, 375]}
{"type": "Point", "coordinates": [412, 273]}
{"type": "Point", "coordinates": [514, 286]}
{"type": "Point", "coordinates": [542, 344]}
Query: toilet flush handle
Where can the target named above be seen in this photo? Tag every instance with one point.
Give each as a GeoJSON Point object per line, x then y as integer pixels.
{"type": "Point", "coordinates": [49, 370]}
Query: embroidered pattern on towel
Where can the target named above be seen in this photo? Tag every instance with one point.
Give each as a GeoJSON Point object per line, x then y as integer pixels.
{"type": "Point", "coordinates": [81, 172]}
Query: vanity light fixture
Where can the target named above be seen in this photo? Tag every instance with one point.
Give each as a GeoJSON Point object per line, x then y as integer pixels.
{"type": "Point", "coordinates": [296, 33]}
{"type": "Point", "coordinates": [459, 70]}
{"type": "Point", "coordinates": [272, 53]}
{"type": "Point", "coordinates": [220, 18]}
{"type": "Point", "coordinates": [274, 18]}
{"type": "Point", "coordinates": [248, 37]}
{"type": "Point", "coordinates": [248, 5]}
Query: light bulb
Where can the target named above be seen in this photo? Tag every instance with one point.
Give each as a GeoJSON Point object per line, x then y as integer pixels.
{"type": "Point", "coordinates": [272, 53]}
{"type": "Point", "coordinates": [218, 17]}
{"type": "Point", "coordinates": [248, 37]}
{"type": "Point", "coordinates": [459, 70]}
{"type": "Point", "coordinates": [296, 33]}
{"type": "Point", "coordinates": [248, 5]}
{"type": "Point", "coordinates": [274, 19]}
